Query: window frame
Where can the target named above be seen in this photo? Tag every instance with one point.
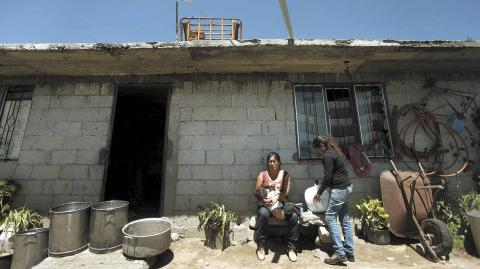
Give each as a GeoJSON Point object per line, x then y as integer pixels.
{"type": "Point", "coordinates": [352, 88]}
{"type": "Point", "coordinates": [4, 92]}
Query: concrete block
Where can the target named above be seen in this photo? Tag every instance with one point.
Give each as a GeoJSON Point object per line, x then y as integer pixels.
{"type": "Point", "coordinates": [45, 172]}
{"type": "Point", "coordinates": [219, 187]}
{"type": "Point", "coordinates": [297, 171]}
{"type": "Point", "coordinates": [74, 172]}
{"type": "Point", "coordinates": [72, 101]}
{"type": "Point", "coordinates": [87, 157]}
{"type": "Point", "coordinates": [37, 202]}
{"type": "Point", "coordinates": [218, 100]}
{"type": "Point", "coordinates": [7, 168]}
{"type": "Point", "coordinates": [186, 142]}
{"type": "Point", "coordinates": [220, 157]}
{"type": "Point", "coordinates": [244, 187]}
{"type": "Point", "coordinates": [182, 202]}
{"type": "Point", "coordinates": [249, 100]}
{"type": "Point", "coordinates": [187, 187]}
{"type": "Point", "coordinates": [277, 128]}
{"type": "Point", "coordinates": [52, 142]}
{"type": "Point", "coordinates": [236, 172]}
{"type": "Point", "coordinates": [287, 142]}
{"type": "Point", "coordinates": [103, 114]}
{"type": "Point", "coordinates": [95, 128]}
{"type": "Point", "coordinates": [184, 172]}
{"type": "Point", "coordinates": [96, 172]}
{"type": "Point", "coordinates": [54, 115]}
{"type": "Point", "coordinates": [192, 128]}
{"type": "Point", "coordinates": [84, 114]}
{"type": "Point", "coordinates": [248, 128]}
{"type": "Point", "coordinates": [233, 113]}
{"type": "Point", "coordinates": [41, 101]}
{"type": "Point", "coordinates": [99, 101]}
{"type": "Point", "coordinates": [87, 187]}
{"type": "Point", "coordinates": [220, 127]}
{"type": "Point", "coordinates": [40, 128]}
{"type": "Point", "coordinates": [190, 100]}
{"type": "Point", "coordinates": [234, 142]}
{"type": "Point", "coordinates": [30, 187]}
{"type": "Point", "coordinates": [186, 114]}
{"type": "Point", "coordinates": [205, 113]}
{"type": "Point", "coordinates": [248, 157]}
{"type": "Point", "coordinates": [269, 142]}
{"type": "Point", "coordinates": [191, 157]}
{"type": "Point", "coordinates": [201, 200]}
{"type": "Point", "coordinates": [63, 157]}
{"type": "Point", "coordinates": [62, 199]}
{"type": "Point", "coordinates": [235, 202]}
{"type": "Point", "coordinates": [261, 113]}
{"type": "Point", "coordinates": [207, 142]}
{"type": "Point", "coordinates": [85, 142]}
{"type": "Point", "coordinates": [29, 142]}
{"type": "Point", "coordinates": [63, 187]}
{"type": "Point", "coordinates": [67, 128]}
{"type": "Point", "coordinates": [22, 171]}
{"type": "Point", "coordinates": [32, 157]}
{"type": "Point", "coordinates": [207, 172]}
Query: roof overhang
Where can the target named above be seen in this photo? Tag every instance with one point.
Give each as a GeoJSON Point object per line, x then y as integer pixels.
{"type": "Point", "coordinates": [304, 56]}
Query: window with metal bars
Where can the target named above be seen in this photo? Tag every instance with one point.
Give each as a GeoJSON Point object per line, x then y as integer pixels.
{"type": "Point", "coordinates": [349, 113]}
{"type": "Point", "coordinates": [15, 103]}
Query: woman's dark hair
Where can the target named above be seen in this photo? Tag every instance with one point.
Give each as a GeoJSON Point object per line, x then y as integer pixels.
{"type": "Point", "coordinates": [274, 154]}
{"type": "Point", "coordinates": [328, 142]}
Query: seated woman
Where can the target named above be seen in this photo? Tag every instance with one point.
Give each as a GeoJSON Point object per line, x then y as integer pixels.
{"type": "Point", "coordinates": [274, 179]}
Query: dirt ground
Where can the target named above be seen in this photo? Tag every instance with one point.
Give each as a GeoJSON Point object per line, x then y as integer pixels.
{"type": "Point", "coordinates": [190, 253]}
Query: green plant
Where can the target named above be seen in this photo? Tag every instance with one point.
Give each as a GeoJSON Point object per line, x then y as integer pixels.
{"type": "Point", "coordinates": [444, 212]}
{"type": "Point", "coordinates": [7, 190]}
{"type": "Point", "coordinates": [217, 218]}
{"type": "Point", "coordinates": [22, 219]}
{"type": "Point", "coordinates": [373, 214]}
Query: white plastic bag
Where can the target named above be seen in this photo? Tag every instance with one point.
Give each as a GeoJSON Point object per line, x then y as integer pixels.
{"type": "Point", "coordinates": [317, 207]}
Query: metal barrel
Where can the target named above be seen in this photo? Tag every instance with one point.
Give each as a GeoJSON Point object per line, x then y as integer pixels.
{"type": "Point", "coordinates": [69, 228]}
{"type": "Point", "coordinates": [146, 238]}
{"type": "Point", "coordinates": [106, 223]}
{"type": "Point", "coordinates": [30, 248]}
{"type": "Point", "coordinates": [474, 221]}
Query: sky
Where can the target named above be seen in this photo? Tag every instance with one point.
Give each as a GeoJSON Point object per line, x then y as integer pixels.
{"type": "Point", "coordinates": [121, 21]}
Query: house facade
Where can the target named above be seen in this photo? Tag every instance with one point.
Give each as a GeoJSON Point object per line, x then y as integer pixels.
{"type": "Point", "coordinates": [172, 126]}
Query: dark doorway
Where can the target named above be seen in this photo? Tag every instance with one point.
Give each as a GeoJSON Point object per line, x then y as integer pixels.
{"type": "Point", "coordinates": [135, 168]}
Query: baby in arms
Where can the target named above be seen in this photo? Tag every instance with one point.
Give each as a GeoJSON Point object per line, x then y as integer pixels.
{"type": "Point", "coordinates": [269, 193]}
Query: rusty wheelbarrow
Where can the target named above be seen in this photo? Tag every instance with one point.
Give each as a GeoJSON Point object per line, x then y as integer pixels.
{"type": "Point", "coordinates": [408, 198]}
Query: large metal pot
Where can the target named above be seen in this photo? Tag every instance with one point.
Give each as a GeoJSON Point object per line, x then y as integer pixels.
{"type": "Point", "coordinates": [146, 238]}
{"type": "Point", "coordinates": [69, 226]}
{"type": "Point", "coordinates": [30, 248]}
{"type": "Point", "coordinates": [106, 224]}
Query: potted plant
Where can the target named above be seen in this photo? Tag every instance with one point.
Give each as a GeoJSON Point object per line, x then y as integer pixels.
{"type": "Point", "coordinates": [470, 206]}
{"type": "Point", "coordinates": [216, 222]}
{"type": "Point", "coordinates": [374, 221]}
{"type": "Point", "coordinates": [7, 190]}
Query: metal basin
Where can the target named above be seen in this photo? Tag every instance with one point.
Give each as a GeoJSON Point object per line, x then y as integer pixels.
{"type": "Point", "coordinates": [30, 248]}
{"type": "Point", "coordinates": [69, 228]}
{"type": "Point", "coordinates": [146, 238]}
{"type": "Point", "coordinates": [106, 222]}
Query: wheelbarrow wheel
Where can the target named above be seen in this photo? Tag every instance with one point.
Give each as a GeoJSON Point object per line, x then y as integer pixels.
{"type": "Point", "coordinates": [438, 236]}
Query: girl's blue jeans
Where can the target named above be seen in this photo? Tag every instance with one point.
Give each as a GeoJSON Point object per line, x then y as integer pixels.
{"type": "Point", "coordinates": [338, 207]}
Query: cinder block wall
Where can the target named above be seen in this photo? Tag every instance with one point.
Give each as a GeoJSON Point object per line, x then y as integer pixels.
{"type": "Point", "coordinates": [67, 128]}
{"type": "Point", "coordinates": [221, 131]}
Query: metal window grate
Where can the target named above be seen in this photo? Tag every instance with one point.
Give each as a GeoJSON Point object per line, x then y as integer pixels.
{"type": "Point", "coordinates": [198, 28]}
{"type": "Point", "coordinates": [341, 116]}
{"type": "Point", "coordinates": [15, 105]}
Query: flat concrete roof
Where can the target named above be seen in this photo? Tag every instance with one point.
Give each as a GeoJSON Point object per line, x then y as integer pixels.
{"type": "Point", "coordinates": [249, 56]}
